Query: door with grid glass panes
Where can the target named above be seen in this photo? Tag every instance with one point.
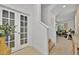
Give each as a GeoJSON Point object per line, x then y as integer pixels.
{"type": "Point", "coordinates": [19, 40]}
{"type": "Point", "coordinates": [23, 30]}
{"type": "Point", "coordinates": [8, 17]}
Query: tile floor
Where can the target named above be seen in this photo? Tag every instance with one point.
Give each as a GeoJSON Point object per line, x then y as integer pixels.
{"type": "Point", "coordinates": [63, 47]}
{"type": "Point", "coordinates": [27, 51]}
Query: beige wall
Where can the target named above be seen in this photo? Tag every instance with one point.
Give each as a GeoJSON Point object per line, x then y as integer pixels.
{"type": "Point", "coordinates": [77, 21]}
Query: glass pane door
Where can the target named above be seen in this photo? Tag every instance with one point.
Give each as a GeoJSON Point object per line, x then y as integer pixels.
{"type": "Point", "coordinates": [9, 19]}
{"type": "Point", "coordinates": [23, 29]}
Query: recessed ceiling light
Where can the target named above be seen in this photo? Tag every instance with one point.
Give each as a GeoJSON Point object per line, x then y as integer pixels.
{"type": "Point", "coordinates": [64, 6]}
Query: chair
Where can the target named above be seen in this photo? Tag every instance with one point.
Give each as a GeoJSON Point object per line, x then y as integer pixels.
{"type": "Point", "coordinates": [4, 50]}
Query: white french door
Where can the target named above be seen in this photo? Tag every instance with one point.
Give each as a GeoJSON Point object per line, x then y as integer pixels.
{"type": "Point", "coordinates": [13, 18]}
{"type": "Point", "coordinates": [8, 17]}
{"type": "Point", "coordinates": [23, 30]}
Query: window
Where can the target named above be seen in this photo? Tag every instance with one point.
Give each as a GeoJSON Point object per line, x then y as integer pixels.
{"type": "Point", "coordinates": [22, 24]}
{"type": "Point", "coordinates": [5, 21]}
{"type": "Point", "coordinates": [12, 15]}
{"type": "Point", "coordinates": [22, 17]}
{"type": "Point", "coordinates": [25, 18]}
{"type": "Point", "coordinates": [12, 22]}
{"type": "Point", "coordinates": [25, 40]}
{"type": "Point", "coordinates": [11, 44]}
{"type": "Point", "coordinates": [23, 29]}
{"type": "Point", "coordinates": [22, 42]}
{"type": "Point", "coordinates": [5, 14]}
{"type": "Point", "coordinates": [21, 36]}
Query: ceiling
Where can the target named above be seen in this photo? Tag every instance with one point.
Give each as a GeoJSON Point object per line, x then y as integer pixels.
{"type": "Point", "coordinates": [62, 11]}
{"type": "Point", "coordinates": [26, 8]}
